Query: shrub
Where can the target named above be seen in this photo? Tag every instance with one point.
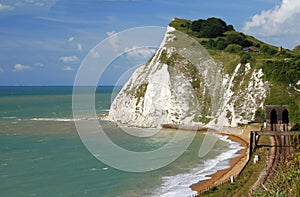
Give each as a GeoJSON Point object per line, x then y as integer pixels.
{"type": "Point", "coordinates": [233, 48]}
{"type": "Point", "coordinates": [245, 57]}
{"type": "Point", "coordinates": [221, 44]}
{"type": "Point", "coordinates": [268, 50]}
{"type": "Point", "coordinates": [238, 38]}
{"type": "Point", "coordinates": [260, 115]}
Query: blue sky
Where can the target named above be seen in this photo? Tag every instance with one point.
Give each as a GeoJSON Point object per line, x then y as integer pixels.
{"type": "Point", "coordinates": [43, 42]}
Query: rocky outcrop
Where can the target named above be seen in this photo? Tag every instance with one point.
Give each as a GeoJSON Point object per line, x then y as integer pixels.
{"type": "Point", "coordinates": [182, 84]}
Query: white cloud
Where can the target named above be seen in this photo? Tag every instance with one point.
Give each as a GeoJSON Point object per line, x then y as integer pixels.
{"type": "Point", "coordinates": [79, 47]}
{"type": "Point", "coordinates": [68, 68]}
{"type": "Point", "coordinates": [72, 43]}
{"type": "Point", "coordinates": [20, 67]}
{"type": "Point", "coordinates": [280, 20]}
{"type": "Point", "coordinates": [68, 59]}
{"type": "Point", "coordinates": [113, 39]}
{"type": "Point", "coordinates": [34, 7]}
{"type": "Point", "coordinates": [110, 33]}
{"type": "Point", "coordinates": [71, 39]}
{"type": "Point", "coordinates": [140, 52]}
{"type": "Point", "coordinates": [39, 64]}
{"type": "Point", "coordinates": [4, 7]}
{"type": "Point", "coordinates": [95, 54]}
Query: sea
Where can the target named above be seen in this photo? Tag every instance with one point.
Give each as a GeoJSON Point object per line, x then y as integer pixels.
{"type": "Point", "coordinates": [41, 153]}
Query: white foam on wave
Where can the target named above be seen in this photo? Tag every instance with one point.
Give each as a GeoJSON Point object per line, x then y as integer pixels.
{"type": "Point", "coordinates": [9, 117]}
{"type": "Point", "coordinates": [104, 110]}
{"type": "Point", "coordinates": [178, 185]}
{"type": "Point", "coordinates": [61, 119]}
{"type": "Point", "coordinates": [54, 119]}
{"type": "Point", "coordinates": [3, 164]}
{"type": "Point", "coordinates": [93, 169]}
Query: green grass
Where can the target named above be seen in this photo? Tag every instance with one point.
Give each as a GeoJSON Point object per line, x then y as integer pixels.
{"type": "Point", "coordinates": [285, 181]}
{"type": "Point", "coordinates": [140, 92]}
{"type": "Point", "coordinates": [180, 24]}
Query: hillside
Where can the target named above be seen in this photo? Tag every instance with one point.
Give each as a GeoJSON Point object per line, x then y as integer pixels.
{"type": "Point", "coordinates": [281, 67]}
{"type": "Point", "coordinates": [206, 73]}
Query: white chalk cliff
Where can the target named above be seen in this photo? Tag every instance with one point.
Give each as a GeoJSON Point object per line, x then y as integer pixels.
{"type": "Point", "coordinates": [182, 84]}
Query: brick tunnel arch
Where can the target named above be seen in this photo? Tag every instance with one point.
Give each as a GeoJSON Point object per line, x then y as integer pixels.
{"type": "Point", "coordinates": [277, 116]}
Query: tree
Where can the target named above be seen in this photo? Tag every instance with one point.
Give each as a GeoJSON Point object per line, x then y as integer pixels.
{"type": "Point", "coordinates": [230, 28]}
{"type": "Point", "coordinates": [196, 25]}
{"type": "Point", "coordinates": [211, 27]}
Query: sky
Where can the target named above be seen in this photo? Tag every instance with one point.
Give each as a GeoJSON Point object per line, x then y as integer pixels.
{"type": "Point", "coordinates": [44, 42]}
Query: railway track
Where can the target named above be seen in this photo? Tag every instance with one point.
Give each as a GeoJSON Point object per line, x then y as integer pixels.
{"type": "Point", "coordinates": [280, 148]}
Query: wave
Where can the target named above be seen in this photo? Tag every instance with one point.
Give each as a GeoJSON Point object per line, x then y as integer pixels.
{"type": "Point", "coordinates": [178, 185]}
{"type": "Point", "coordinates": [9, 117]}
{"type": "Point", "coordinates": [67, 119]}
{"type": "Point", "coordinates": [104, 110]}
{"type": "Point", "coordinates": [55, 119]}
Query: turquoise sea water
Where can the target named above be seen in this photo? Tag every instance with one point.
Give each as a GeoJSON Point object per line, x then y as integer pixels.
{"type": "Point", "coordinates": [41, 153]}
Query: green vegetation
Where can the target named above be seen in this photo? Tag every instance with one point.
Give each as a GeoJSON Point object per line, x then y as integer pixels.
{"type": "Point", "coordinates": [296, 127]}
{"type": "Point", "coordinates": [260, 115]}
{"type": "Point", "coordinates": [282, 73]}
{"type": "Point", "coordinates": [210, 28]}
{"type": "Point", "coordinates": [195, 84]}
{"type": "Point", "coordinates": [281, 67]}
{"type": "Point", "coordinates": [140, 92]}
{"type": "Point", "coordinates": [285, 181]}
{"type": "Point", "coordinates": [297, 50]}
{"type": "Point", "coordinates": [233, 48]}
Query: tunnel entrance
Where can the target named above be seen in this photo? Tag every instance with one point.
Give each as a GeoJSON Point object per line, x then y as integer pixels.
{"type": "Point", "coordinates": [274, 120]}
{"type": "Point", "coordinates": [277, 117]}
{"type": "Point", "coordinates": [285, 119]}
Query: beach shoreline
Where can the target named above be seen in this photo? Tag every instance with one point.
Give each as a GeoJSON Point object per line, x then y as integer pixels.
{"type": "Point", "coordinates": [236, 166]}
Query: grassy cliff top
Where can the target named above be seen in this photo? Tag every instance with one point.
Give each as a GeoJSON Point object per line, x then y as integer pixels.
{"type": "Point", "coordinates": [218, 38]}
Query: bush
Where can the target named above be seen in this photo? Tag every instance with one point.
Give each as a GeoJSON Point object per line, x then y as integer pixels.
{"type": "Point", "coordinates": [260, 115]}
{"type": "Point", "coordinates": [196, 25]}
{"type": "Point", "coordinates": [233, 48]}
{"type": "Point", "coordinates": [282, 71]}
{"type": "Point", "coordinates": [239, 39]}
{"type": "Point", "coordinates": [221, 44]}
{"type": "Point", "coordinates": [268, 50]}
{"type": "Point", "coordinates": [245, 57]}
{"type": "Point", "coordinates": [296, 127]}
{"type": "Point", "coordinates": [285, 181]}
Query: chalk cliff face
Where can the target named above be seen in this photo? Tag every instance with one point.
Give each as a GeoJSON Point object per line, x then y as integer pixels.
{"type": "Point", "coordinates": [182, 84]}
{"type": "Point", "coordinates": [245, 93]}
